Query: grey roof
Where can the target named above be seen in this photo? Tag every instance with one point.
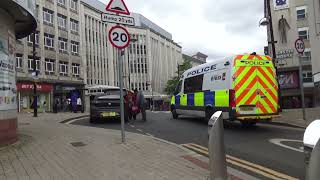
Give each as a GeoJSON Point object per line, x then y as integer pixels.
{"type": "Point", "coordinates": [190, 58]}
{"type": "Point", "coordinates": [140, 20]}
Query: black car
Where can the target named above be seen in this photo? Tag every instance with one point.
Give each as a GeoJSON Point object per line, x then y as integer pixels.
{"type": "Point", "coordinates": [107, 106]}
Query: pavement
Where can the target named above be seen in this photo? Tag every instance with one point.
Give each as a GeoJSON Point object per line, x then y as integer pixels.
{"type": "Point", "coordinates": [48, 149]}
{"type": "Point", "coordinates": [294, 117]}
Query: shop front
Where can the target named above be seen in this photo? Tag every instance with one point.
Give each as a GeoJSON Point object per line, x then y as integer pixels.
{"type": "Point", "coordinates": [291, 93]}
{"type": "Point", "coordinates": [25, 96]}
{"type": "Point", "coordinates": [66, 98]}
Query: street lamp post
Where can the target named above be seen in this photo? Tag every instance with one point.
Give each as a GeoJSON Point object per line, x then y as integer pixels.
{"type": "Point", "coordinates": [267, 20]}
{"type": "Point", "coordinates": [35, 74]}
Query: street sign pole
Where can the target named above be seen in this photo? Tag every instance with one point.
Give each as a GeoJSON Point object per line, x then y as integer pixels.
{"type": "Point", "coordinates": [300, 47]}
{"type": "Point", "coordinates": [121, 95]}
{"type": "Point", "coordinates": [302, 89]}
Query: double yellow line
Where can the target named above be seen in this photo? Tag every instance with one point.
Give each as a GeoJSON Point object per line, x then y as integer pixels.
{"type": "Point", "coordinates": [255, 168]}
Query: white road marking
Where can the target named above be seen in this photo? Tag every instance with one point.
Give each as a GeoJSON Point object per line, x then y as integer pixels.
{"type": "Point", "coordinates": [279, 143]}
{"type": "Point", "coordinates": [149, 134]}
{"type": "Point", "coordinates": [72, 121]}
{"type": "Point", "coordinates": [139, 130]}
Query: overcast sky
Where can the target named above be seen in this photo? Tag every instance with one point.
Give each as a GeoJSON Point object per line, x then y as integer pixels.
{"type": "Point", "coordinates": [214, 27]}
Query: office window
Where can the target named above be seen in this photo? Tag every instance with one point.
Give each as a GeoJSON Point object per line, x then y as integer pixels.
{"type": "Point", "coordinates": [303, 33]}
{"type": "Point", "coordinates": [63, 44]}
{"type": "Point", "coordinates": [30, 63]}
{"type": "Point", "coordinates": [19, 61]}
{"type": "Point", "coordinates": [301, 12]}
{"type": "Point", "coordinates": [307, 76]}
{"type": "Point", "coordinates": [63, 67]}
{"type": "Point", "coordinates": [62, 2]}
{"type": "Point", "coordinates": [30, 38]}
{"type": "Point", "coordinates": [49, 41]}
{"type": "Point", "coordinates": [47, 16]}
{"type": "Point", "coordinates": [49, 66]}
{"type": "Point", "coordinates": [75, 47]}
{"type": "Point", "coordinates": [62, 21]}
{"type": "Point", "coordinates": [75, 70]}
{"type": "Point", "coordinates": [73, 5]}
{"type": "Point", "coordinates": [74, 25]}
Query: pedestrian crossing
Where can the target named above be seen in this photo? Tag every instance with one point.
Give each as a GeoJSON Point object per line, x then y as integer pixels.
{"type": "Point", "coordinates": [249, 166]}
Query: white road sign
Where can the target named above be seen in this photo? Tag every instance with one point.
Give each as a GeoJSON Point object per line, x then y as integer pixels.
{"type": "Point", "coordinates": [119, 37]}
{"type": "Point", "coordinates": [299, 45]}
{"type": "Point", "coordinates": [112, 18]}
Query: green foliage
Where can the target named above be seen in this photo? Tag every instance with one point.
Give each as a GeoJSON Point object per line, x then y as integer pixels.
{"type": "Point", "coordinates": [172, 83]}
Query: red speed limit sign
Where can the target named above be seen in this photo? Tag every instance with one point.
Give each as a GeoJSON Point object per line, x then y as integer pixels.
{"type": "Point", "coordinates": [119, 37]}
{"type": "Point", "coordinates": [299, 45]}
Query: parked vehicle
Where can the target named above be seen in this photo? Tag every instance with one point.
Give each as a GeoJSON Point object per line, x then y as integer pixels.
{"type": "Point", "coordinates": [243, 87]}
{"type": "Point", "coordinates": [106, 105]}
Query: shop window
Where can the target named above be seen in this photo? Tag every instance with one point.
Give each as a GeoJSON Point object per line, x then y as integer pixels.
{"type": "Point", "coordinates": [19, 61]}
{"type": "Point", "coordinates": [62, 21]}
{"type": "Point", "coordinates": [47, 16]}
{"type": "Point", "coordinates": [63, 67]}
{"type": "Point", "coordinates": [63, 45]}
{"type": "Point", "coordinates": [75, 70]}
{"type": "Point", "coordinates": [49, 66]}
{"type": "Point", "coordinates": [303, 33]}
{"type": "Point", "coordinates": [30, 64]}
{"type": "Point", "coordinates": [75, 47]}
{"type": "Point", "coordinates": [193, 84]}
{"type": "Point", "coordinates": [48, 41]}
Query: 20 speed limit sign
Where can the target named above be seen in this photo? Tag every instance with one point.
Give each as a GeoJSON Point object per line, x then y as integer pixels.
{"type": "Point", "coordinates": [299, 45]}
{"type": "Point", "coordinates": [119, 37]}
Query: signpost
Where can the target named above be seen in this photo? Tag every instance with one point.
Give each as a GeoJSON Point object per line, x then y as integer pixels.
{"type": "Point", "coordinates": [300, 47]}
{"type": "Point", "coordinates": [119, 37]}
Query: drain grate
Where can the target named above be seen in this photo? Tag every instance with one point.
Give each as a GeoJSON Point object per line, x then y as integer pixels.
{"type": "Point", "coordinates": [78, 144]}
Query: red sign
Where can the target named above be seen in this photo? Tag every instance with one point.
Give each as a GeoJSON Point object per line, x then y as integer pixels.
{"type": "Point", "coordinates": [289, 80]}
{"type": "Point", "coordinates": [119, 37]}
{"type": "Point", "coordinates": [41, 87]}
{"type": "Point", "coordinates": [117, 6]}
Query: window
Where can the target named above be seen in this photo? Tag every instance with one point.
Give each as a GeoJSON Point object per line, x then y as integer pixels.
{"type": "Point", "coordinates": [306, 55]}
{"type": "Point", "coordinates": [307, 76]}
{"type": "Point", "coordinates": [19, 61]}
{"type": "Point", "coordinates": [49, 41]}
{"type": "Point", "coordinates": [63, 68]}
{"type": "Point", "coordinates": [75, 47]}
{"type": "Point", "coordinates": [178, 88]}
{"type": "Point", "coordinates": [63, 45]}
{"type": "Point", "coordinates": [193, 84]}
{"type": "Point", "coordinates": [73, 5]}
{"type": "Point", "coordinates": [49, 66]}
{"type": "Point", "coordinates": [30, 63]}
{"type": "Point", "coordinates": [74, 25]}
{"type": "Point", "coordinates": [62, 2]}
{"type": "Point", "coordinates": [303, 33]}
{"type": "Point", "coordinates": [62, 21]}
{"type": "Point", "coordinates": [75, 70]}
{"type": "Point", "coordinates": [301, 12]}
{"type": "Point", "coordinates": [47, 16]}
{"type": "Point", "coordinates": [30, 38]}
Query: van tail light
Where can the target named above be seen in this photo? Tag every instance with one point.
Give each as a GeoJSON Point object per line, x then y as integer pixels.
{"type": "Point", "coordinates": [232, 98]}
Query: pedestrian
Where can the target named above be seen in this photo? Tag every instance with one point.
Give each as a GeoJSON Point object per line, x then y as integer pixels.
{"type": "Point", "coordinates": [135, 108]}
{"type": "Point", "coordinates": [44, 106]}
{"type": "Point", "coordinates": [79, 104]}
{"type": "Point", "coordinates": [141, 104]}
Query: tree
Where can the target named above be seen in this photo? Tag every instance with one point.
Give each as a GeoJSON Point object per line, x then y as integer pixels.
{"type": "Point", "coordinates": [172, 83]}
